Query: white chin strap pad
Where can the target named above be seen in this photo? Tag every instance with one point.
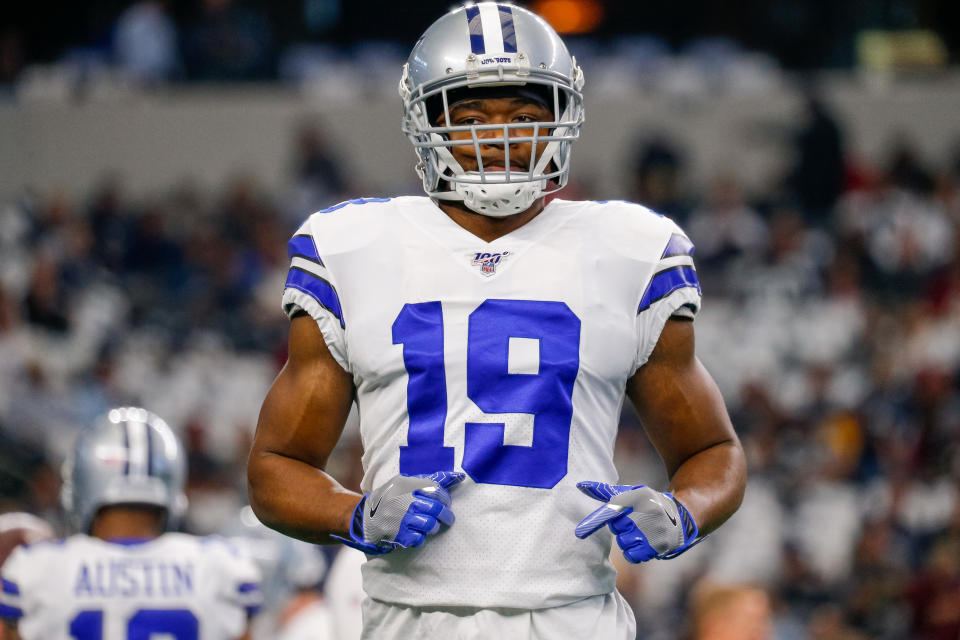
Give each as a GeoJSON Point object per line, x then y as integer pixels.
{"type": "Point", "coordinates": [498, 200]}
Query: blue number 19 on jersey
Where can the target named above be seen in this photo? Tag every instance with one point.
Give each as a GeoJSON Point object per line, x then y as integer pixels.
{"type": "Point", "coordinates": [546, 394]}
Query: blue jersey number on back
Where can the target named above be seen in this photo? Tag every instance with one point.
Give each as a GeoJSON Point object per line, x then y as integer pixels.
{"type": "Point", "coordinates": [179, 624]}
{"type": "Point", "coordinates": [546, 394]}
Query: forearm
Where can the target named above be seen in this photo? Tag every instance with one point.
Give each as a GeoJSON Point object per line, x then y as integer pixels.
{"type": "Point", "coordinates": [10, 630]}
{"type": "Point", "coordinates": [297, 499]}
{"type": "Point", "coordinates": [710, 484]}
{"type": "Point", "coordinates": [299, 426]}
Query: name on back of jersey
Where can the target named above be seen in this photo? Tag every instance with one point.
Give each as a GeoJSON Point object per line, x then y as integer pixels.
{"type": "Point", "coordinates": [134, 578]}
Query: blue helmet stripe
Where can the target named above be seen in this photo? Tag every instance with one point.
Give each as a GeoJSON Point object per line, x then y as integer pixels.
{"type": "Point", "coordinates": [125, 427]}
{"type": "Point", "coordinates": [149, 452]}
{"type": "Point", "coordinates": [507, 28]}
{"type": "Point", "coordinates": [476, 29]}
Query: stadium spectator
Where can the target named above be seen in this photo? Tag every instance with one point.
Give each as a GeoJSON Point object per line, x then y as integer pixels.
{"type": "Point", "coordinates": [817, 178]}
{"type": "Point", "coordinates": [146, 42]}
{"type": "Point", "coordinates": [228, 42]}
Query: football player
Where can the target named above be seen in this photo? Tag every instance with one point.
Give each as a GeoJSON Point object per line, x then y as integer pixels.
{"type": "Point", "coordinates": [489, 339]}
{"type": "Point", "coordinates": [17, 528]}
{"type": "Point", "coordinates": [290, 572]}
{"type": "Point", "coordinates": [121, 577]}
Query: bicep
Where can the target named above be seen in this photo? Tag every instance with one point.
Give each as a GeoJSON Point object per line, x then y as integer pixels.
{"type": "Point", "coordinates": [304, 412]}
{"type": "Point", "coordinates": [677, 400]}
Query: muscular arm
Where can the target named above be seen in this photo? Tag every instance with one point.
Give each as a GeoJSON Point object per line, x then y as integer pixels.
{"type": "Point", "coordinates": [300, 422]}
{"type": "Point", "coordinates": [686, 420]}
{"type": "Point", "coordinates": [9, 631]}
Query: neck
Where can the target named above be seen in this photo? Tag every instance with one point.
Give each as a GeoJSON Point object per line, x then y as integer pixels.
{"type": "Point", "coordinates": [127, 522]}
{"type": "Point", "coordinates": [488, 228]}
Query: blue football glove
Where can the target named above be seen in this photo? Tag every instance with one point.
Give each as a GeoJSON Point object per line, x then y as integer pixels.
{"type": "Point", "coordinates": [648, 524]}
{"type": "Point", "coordinates": [402, 512]}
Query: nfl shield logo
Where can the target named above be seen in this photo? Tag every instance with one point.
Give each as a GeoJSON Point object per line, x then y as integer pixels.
{"type": "Point", "coordinates": [488, 261]}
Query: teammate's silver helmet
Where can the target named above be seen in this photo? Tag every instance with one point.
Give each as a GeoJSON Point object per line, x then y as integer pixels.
{"type": "Point", "coordinates": [488, 45]}
{"type": "Point", "coordinates": [127, 456]}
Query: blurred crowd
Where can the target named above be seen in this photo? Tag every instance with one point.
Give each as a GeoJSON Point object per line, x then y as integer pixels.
{"type": "Point", "coordinates": [151, 41]}
{"type": "Point", "coordinates": [831, 321]}
{"type": "Point", "coordinates": [103, 47]}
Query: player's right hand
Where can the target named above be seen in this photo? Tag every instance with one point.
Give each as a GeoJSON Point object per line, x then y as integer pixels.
{"type": "Point", "coordinates": [402, 512]}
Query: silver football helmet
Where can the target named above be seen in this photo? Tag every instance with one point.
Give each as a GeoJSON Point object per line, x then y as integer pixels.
{"type": "Point", "coordinates": [488, 47]}
{"type": "Point", "coordinates": [127, 456]}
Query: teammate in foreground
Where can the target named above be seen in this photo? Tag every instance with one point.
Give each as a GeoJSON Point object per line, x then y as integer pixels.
{"type": "Point", "coordinates": [121, 577]}
{"type": "Point", "coordinates": [489, 340]}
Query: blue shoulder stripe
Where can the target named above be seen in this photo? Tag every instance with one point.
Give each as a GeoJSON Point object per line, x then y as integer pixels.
{"type": "Point", "coordinates": [318, 289]}
{"type": "Point", "coordinates": [679, 245]}
{"type": "Point", "coordinates": [10, 587]}
{"type": "Point", "coordinates": [10, 613]}
{"type": "Point", "coordinates": [55, 541]}
{"type": "Point", "coordinates": [129, 542]}
{"type": "Point", "coordinates": [227, 544]}
{"type": "Point", "coordinates": [666, 282]}
{"type": "Point", "coordinates": [247, 587]}
{"type": "Point", "coordinates": [302, 246]}
{"type": "Point", "coordinates": [354, 201]}
{"type": "Point", "coordinates": [252, 610]}
{"type": "Point", "coordinates": [636, 204]}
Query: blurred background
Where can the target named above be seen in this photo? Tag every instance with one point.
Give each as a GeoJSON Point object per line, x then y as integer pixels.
{"type": "Point", "coordinates": [156, 155]}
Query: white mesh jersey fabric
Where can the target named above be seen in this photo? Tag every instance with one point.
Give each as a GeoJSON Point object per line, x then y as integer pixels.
{"type": "Point", "coordinates": [605, 616]}
{"type": "Point", "coordinates": [70, 588]}
{"type": "Point", "coordinates": [512, 544]}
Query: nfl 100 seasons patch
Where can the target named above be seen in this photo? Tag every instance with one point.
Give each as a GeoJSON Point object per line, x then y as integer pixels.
{"type": "Point", "coordinates": [487, 262]}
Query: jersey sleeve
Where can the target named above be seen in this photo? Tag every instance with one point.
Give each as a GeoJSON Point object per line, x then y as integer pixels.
{"type": "Point", "coordinates": [243, 580]}
{"type": "Point", "coordinates": [239, 577]}
{"type": "Point", "coordinates": [310, 289]}
{"type": "Point", "coordinates": [12, 576]}
{"type": "Point", "coordinates": [673, 289]}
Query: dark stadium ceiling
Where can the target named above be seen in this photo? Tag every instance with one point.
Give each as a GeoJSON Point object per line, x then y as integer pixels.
{"type": "Point", "coordinates": [800, 33]}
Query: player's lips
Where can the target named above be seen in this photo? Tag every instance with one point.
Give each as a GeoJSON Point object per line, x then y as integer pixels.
{"type": "Point", "coordinates": [499, 166]}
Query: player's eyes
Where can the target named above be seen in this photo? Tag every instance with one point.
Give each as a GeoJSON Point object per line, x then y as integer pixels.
{"type": "Point", "coordinates": [466, 120]}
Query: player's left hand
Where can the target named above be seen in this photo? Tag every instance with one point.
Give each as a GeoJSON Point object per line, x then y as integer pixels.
{"type": "Point", "coordinates": [648, 524]}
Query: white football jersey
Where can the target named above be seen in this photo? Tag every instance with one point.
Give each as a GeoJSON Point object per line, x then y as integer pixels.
{"type": "Point", "coordinates": [507, 360]}
{"type": "Point", "coordinates": [176, 587]}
